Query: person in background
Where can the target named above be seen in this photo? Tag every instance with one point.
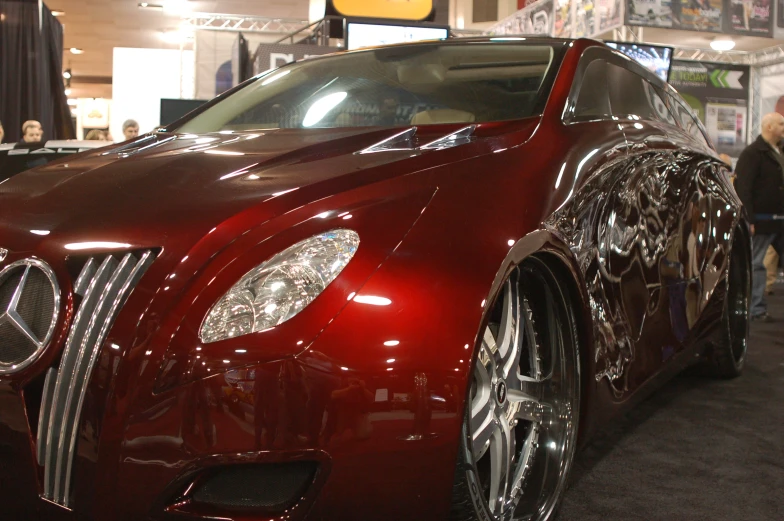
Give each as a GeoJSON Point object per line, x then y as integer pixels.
{"type": "Point", "coordinates": [760, 186]}
{"type": "Point", "coordinates": [96, 135]}
{"type": "Point", "coordinates": [2, 132]}
{"type": "Point", "coordinates": [130, 129]}
{"type": "Point", "coordinates": [32, 131]}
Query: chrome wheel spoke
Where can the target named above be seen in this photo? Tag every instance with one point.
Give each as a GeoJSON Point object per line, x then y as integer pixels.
{"type": "Point", "coordinates": [501, 453]}
{"type": "Point", "coordinates": [508, 333]}
{"type": "Point", "coordinates": [482, 410]}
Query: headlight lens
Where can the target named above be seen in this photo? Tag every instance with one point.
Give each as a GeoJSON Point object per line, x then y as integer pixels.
{"type": "Point", "coordinates": [278, 289]}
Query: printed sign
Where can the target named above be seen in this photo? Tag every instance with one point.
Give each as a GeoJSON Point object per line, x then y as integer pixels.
{"type": "Point", "coordinates": [700, 15]}
{"type": "Point", "coordinates": [752, 17]}
{"type": "Point", "coordinates": [652, 13]}
{"type": "Point", "coordinates": [719, 95]}
{"type": "Point", "coordinates": [273, 55]}
{"type": "Point", "coordinates": [538, 18]}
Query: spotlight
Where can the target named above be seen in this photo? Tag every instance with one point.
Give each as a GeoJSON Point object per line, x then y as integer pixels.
{"type": "Point", "coordinates": [76, 50]}
{"type": "Point", "coordinates": [57, 12]}
{"type": "Point", "coordinates": [67, 74]}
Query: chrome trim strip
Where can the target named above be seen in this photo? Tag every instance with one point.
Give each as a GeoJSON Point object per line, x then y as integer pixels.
{"type": "Point", "coordinates": [43, 417]}
{"type": "Point", "coordinates": [107, 288]}
{"type": "Point", "coordinates": [115, 305]}
{"type": "Point", "coordinates": [397, 142]}
{"type": "Point", "coordinates": [87, 349]}
{"type": "Point", "coordinates": [87, 274]}
{"type": "Point", "coordinates": [460, 137]}
{"type": "Point", "coordinates": [67, 369]}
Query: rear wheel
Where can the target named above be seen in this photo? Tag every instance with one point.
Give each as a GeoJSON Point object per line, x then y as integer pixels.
{"type": "Point", "coordinates": [520, 426]}
{"type": "Point", "coordinates": [731, 341]}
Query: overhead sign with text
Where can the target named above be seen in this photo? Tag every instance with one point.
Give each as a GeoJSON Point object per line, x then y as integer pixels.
{"type": "Point", "coordinates": [746, 17]}
{"type": "Point", "coordinates": [719, 95]}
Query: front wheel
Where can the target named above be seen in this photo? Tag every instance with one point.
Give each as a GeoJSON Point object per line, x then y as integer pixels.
{"type": "Point", "coordinates": [731, 341]}
{"type": "Point", "coordinates": [521, 419]}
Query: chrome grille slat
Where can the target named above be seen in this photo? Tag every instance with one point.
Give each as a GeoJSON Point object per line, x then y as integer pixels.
{"type": "Point", "coordinates": [87, 274]}
{"type": "Point", "coordinates": [66, 372]}
{"type": "Point", "coordinates": [43, 417]}
{"type": "Point", "coordinates": [88, 350]}
{"type": "Point", "coordinates": [105, 290]}
{"type": "Point", "coordinates": [115, 304]}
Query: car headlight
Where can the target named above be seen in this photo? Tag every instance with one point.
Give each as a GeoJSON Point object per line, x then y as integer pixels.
{"type": "Point", "coordinates": [281, 287]}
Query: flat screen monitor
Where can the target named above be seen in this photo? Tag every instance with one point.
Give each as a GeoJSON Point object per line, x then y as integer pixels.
{"type": "Point", "coordinates": [174, 109]}
{"type": "Point", "coordinates": [364, 34]}
{"type": "Point", "coordinates": [655, 58]}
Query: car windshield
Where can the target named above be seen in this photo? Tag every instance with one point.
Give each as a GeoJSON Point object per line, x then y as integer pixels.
{"type": "Point", "coordinates": [420, 84]}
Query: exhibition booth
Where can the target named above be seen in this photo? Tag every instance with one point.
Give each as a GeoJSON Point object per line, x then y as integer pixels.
{"type": "Point", "coordinates": [728, 90]}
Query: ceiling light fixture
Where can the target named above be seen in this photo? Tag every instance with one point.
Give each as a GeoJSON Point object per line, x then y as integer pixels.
{"type": "Point", "coordinates": [67, 74]}
{"type": "Point", "coordinates": [57, 12]}
{"type": "Point", "coordinates": [153, 7]}
{"type": "Point", "coordinates": [76, 50]}
{"type": "Point", "coordinates": [722, 44]}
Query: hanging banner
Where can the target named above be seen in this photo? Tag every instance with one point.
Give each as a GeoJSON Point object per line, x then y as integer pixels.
{"type": "Point", "coordinates": [751, 17]}
{"type": "Point", "coordinates": [405, 10]}
{"type": "Point", "coordinates": [650, 13]}
{"type": "Point", "coordinates": [584, 18]}
{"type": "Point", "coordinates": [538, 18]}
{"type": "Point", "coordinates": [719, 95]}
{"type": "Point", "coordinates": [563, 19]}
{"type": "Point", "coordinates": [700, 15]}
{"type": "Point", "coordinates": [609, 15]}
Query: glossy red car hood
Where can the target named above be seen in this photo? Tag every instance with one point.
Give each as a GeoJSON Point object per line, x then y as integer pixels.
{"type": "Point", "coordinates": [144, 193]}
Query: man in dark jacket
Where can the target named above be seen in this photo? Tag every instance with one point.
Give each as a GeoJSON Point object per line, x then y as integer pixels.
{"type": "Point", "coordinates": [760, 185]}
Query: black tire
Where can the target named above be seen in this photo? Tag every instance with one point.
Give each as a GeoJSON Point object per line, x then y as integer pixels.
{"type": "Point", "coordinates": [730, 344]}
{"type": "Point", "coordinates": [545, 473]}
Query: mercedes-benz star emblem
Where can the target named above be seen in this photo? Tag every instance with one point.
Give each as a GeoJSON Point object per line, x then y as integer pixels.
{"type": "Point", "coordinates": [501, 393]}
{"type": "Point", "coordinates": [29, 280]}
{"type": "Point", "coordinates": [3, 254]}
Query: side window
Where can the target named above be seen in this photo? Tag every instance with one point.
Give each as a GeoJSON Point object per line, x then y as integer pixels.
{"type": "Point", "coordinates": [628, 94]}
{"type": "Point", "coordinates": [687, 121]}
{"type": "Point", "coordinates": [592, 100]}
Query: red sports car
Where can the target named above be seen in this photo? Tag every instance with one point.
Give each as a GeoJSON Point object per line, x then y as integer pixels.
{"type": "Point", "coordinates": [402, 283]}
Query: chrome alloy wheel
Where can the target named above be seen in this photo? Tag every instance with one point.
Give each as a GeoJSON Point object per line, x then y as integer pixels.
{"type": "Point", "coordinates": [522, 424]}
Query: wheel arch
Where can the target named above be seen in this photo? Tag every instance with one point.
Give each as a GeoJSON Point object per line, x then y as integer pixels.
{"type": "Point", "coordinates": [564, 268]}
{"type": "Point", "coordinates": [552, 252]}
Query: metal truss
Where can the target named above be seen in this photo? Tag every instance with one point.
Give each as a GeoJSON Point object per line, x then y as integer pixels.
{"type": "Point", "coordinates": [246, 24]}
{"type": "Point", "coordinates": [767, 56]}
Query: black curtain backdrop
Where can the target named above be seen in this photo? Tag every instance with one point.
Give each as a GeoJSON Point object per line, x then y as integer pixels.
{"type": "Point", "coordinates": [31, 84]}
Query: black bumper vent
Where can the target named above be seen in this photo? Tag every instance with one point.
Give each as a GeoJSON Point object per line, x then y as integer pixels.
{"type": "Point", "coordinates": [270, 488]}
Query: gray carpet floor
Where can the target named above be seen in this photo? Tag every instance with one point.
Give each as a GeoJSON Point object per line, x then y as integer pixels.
{"type": "Point", "coordinates": [699, 449]}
